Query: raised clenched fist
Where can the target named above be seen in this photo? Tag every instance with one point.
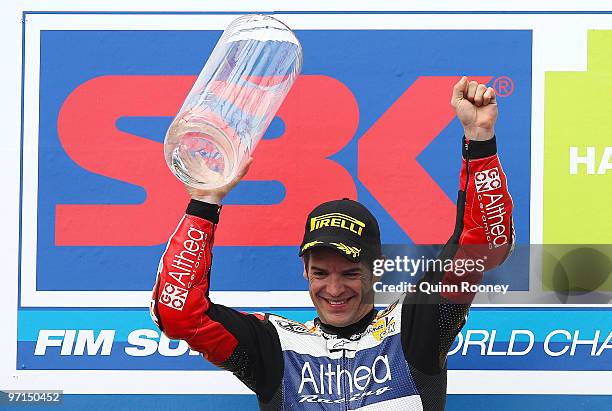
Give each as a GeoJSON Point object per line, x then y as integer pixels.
{"type": "Point", "coordinates": [476, 107]}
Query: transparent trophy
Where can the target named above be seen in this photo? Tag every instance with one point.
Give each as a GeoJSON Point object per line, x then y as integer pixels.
{"type": "Point", "coordinates": [233, 101]}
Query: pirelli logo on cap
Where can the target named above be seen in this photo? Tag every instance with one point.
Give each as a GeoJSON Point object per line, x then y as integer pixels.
{"type": "Point", "coordinates": [337, 220]}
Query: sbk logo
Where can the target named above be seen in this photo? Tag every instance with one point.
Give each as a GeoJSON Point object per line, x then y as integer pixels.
{"type": "Point", "coordinates": [487, 180]}
{"type": "Point", "coordinates": [398, 136]}
{"type": "Point", "coordinates": [173, 296]}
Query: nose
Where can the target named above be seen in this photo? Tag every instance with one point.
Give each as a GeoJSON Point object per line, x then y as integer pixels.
{"type": "Point", "coordinates": [335, 285]}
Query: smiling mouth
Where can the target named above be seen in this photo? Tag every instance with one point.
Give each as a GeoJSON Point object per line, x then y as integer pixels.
{"type": "Point", "coordinates": [337, 303]}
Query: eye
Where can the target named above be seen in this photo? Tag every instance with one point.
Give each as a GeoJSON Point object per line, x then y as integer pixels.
{"type": "Point", "coordinates": [352, 275]}
{"type": "Point", "coordinates": [318, 274]}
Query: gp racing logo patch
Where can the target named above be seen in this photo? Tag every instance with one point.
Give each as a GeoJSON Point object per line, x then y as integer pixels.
{"type": "Point", "coordinates": [173, 296]}
{"type": "Point", "coordinates": [487, 180]}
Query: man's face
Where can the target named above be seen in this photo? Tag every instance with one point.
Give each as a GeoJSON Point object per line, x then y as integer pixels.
{"type": "Point", "coordinates": [341, 290]}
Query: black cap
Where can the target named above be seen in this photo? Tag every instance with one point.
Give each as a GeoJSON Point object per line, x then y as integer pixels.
{"type": "Point", "coordinates": [343, 225]}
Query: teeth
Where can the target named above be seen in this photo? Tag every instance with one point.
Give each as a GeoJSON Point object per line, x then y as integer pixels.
{"type": "Point", "coordinates": [336, 302]}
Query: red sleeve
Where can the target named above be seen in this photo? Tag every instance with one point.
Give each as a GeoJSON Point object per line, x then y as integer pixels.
{"type": "Point", "coordinates": [484, 231]}
{"type": "Point", "coordinates": [244, 344]}
{"type": "Point", "coordinates": [180, 297]}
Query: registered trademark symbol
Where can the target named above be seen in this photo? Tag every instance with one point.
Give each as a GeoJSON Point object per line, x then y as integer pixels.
{"type": "Point", "coordinates": [504, 86]}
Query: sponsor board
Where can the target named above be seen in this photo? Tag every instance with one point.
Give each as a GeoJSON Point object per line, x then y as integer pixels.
{"type": "Point", "coordinates": [107, 95]}
{"type": "Point", "coordinates": [127, 340]}
{"type": "Point", "coordinates": [578, 173]}
{"type": "Point", "coordinates": [578, 170]}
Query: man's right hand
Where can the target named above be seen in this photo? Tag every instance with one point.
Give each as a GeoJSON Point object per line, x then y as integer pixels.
{"type": "Point", "coordinates": [215, 195]}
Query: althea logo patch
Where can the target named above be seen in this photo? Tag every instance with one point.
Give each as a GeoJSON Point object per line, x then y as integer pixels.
{"type": "Point", "coordinates": [331, 379]}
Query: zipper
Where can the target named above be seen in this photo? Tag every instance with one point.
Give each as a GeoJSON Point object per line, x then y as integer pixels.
{"type": "Point", "coordinates": [467, 164]}
{"type": "Point", "coordinates": [346, 401]}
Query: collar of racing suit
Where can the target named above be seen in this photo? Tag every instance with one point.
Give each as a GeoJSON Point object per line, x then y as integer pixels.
{"type": "Point", "coordinates": [352, 331]}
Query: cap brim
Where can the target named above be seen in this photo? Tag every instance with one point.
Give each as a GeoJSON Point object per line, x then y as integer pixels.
{"type": "Point", "coordinates": [348, 249]}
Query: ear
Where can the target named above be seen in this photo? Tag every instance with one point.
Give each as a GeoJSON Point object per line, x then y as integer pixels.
{"type": "Point", "coordinates": [305, 273]}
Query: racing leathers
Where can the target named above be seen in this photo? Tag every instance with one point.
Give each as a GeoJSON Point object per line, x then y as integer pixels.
{"type": "Point", "coordinates": [388, 360]}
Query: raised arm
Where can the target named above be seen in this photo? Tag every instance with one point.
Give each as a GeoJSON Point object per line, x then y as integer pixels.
{"type": "Point", "coordinates": [246, 345]}
{"type": "Point", "coordinates": [483, 230]}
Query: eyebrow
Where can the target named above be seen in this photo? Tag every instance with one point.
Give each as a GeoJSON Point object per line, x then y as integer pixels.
{"type": "Point", "coordinates": [347, 271]}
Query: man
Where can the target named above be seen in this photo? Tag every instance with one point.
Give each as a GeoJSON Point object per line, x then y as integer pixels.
{"type": "Point", "coordinates": [351, 356]}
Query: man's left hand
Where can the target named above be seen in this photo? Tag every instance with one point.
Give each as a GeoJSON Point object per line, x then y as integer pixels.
{"type": "Point", "coordinates": [476, 107]}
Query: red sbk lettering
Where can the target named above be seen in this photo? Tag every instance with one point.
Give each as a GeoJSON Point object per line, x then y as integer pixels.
{"type": "Point", "coordinates": [321, 117]}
